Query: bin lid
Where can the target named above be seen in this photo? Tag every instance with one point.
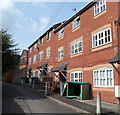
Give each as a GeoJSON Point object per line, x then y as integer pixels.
{"type": "Point", "coordinates": [34, 77]}
{"type": "Point", "coordinates": [24, 78]}
{"type": "Point", "coordinates": [77, 82]}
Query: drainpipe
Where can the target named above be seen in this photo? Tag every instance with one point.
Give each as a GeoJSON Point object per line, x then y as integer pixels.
{"type": "Point", "coordinates": [118, 29]}
{"type": "Point", "coordinates": [117, 61]}
{"type": "Point", "coordinates": [118, 34]}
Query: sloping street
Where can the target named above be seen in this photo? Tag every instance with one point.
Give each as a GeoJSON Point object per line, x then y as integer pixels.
{"type": "Point", "coordinates": [17, 99]}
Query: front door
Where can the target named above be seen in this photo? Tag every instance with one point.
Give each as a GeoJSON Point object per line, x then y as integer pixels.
{"type": "Point", "coordinates": [62, 83]}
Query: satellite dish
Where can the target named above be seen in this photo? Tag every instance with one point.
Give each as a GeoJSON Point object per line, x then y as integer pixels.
{"type": "Point", "coordinates": [74, 9]}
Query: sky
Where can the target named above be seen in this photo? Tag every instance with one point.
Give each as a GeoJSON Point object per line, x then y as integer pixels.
{"type": "Point", "coordinates": [27, 21]}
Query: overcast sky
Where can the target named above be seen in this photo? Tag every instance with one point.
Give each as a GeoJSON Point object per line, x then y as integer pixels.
{"type": "Point", "coordinates": [26, 21]}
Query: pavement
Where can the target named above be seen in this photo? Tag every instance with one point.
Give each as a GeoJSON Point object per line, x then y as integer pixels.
{"type": "Point", "coordinates": [81, 106]}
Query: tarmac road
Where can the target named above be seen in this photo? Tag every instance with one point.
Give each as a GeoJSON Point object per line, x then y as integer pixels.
{"type": "Point", "coordinates": [17, 99]}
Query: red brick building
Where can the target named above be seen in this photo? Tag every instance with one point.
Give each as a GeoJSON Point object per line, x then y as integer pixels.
{"type": "Point", "coordinates": [80, 49]}
{"type": "Point", "coordinates": [23, 59]}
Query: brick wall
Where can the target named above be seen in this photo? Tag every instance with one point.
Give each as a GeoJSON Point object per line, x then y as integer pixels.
{"type": "Point", "coordinates": [90, 58]}
{"type": "Point", "coordinates": [23, 55]}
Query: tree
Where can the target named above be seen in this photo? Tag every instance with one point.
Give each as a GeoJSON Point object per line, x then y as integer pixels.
{"type": "Point", "coordinates": [10, 52]}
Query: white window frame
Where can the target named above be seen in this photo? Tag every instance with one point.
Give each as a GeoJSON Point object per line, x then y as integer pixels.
{"type": "Point", "coordinates": [99, 40]}
{"type": "Point", "coordinates": [49, 35]}
{"type": "Point", "coordinates": [76, 22]}
{"type": "Point", "coordinates": [48, 52]}
{"type": "Point", "coordinates": [25, 60]}
{"type": "Point", "coordinates": [40, 41]}
{"type": "Point", "coordinates": [80, 76]}
{"type": "Point", "coordinates": [40, 56]}
{"type": "Point", "coordinates": [99, 7]}
{"type": "Point", "coordinates": [61, 33]}
{"type": "Point", "coordinates": [101, 78]}
{"type": "Point", "coordinates": [30, 49]}
{"type": "Point", "coordinates": [34, 59]}
{"type": "Point", "coordinates": [35, 46]}
{"type": "Point", "coordinates": [60, 53]}
{"type": "Point", "coordinates": [76, 47]}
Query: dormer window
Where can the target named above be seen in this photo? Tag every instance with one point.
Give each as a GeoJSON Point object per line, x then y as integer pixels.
{"type": "Point", "coordinates": [24, 60]}
{"type": "Point", "coordinates": [40, 41]}
{"type": "Point", "coordinates": [30, 49]}
{"type": "Point", "coordinates": [99, 7]}
{"type": "Point", "coordinates": [61, 33]}
{"type": "Point", "coordinates": [76, 23]}
{"type": "Point", "coordinates": [48, 35]}
{"type": "Point", "coordinates": [35, 46]}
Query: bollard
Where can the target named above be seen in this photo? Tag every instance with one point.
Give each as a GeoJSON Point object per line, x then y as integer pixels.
{"type": "Point", "coordinates": [33, 85]}
{"type": "Point", "coordinates": [46, 88]}
{"type": "Point", "coordinates": [98, 109]}
{"type": "Point", "coordinates": [49, 87]}
{"type": "Point", "coordinates": [118, 105]}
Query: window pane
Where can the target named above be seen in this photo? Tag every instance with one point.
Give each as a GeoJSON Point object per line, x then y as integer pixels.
{"type": "Point", "coordinates": [99, 6]}
{"type": "Point", "coordinates": [101, 38]}
{"type": "Point", "coordinates": [111, 82]}
{"type": "Point", "coordinates": [104, 77]}
{"type": "Point", "coordinates": [76, 75]}
{"type": "Point", "coordinates": [80, 77]}
{"type": "Point", "coordinates": [80, 46]}
{"type": "Point", "coordinates": [72, 77]}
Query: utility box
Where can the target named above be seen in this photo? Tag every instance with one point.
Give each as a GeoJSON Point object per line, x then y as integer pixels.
{"type": "Point", "coordinates": [117, 90]}
{"type": "Point", "coordinates": [76, 89]}
{"type": "Point", "coordinates": [24, 80]}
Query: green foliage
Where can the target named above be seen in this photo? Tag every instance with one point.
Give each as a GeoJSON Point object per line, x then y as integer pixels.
{"type": "Point", "coordinates": [10, 56]}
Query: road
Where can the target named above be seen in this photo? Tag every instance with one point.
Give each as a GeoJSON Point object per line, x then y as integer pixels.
{"type": "Point", "coordinates": [18, 99]}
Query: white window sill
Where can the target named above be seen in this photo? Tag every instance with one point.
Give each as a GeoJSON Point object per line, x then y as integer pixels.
{"type": "Point", "coordinates": [99, 14]}
{"type": "Point", "coordinates": [77, 54]}
{"type": "Point", "coordinates": [75, 29]}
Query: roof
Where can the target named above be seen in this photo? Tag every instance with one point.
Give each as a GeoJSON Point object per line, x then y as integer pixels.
{"type": "Point", "coordinates": [64, 23]}
{"type": "Point", "coordinates": [43, 65]}
{"type": "Point", "coordinates": [60, 67]}
{"type": "Point", "coordinates": [77, 82]}
{"type": "Point", "coordinates": [24, 51]}
{"type": "Point", "coordinates": [33, 43]}
{"type": "Point", "coordinates": [116, 59]}
{"type": "Point", "coordinates": [44, 34]}
{"type": "Point", "coordinates": [74, 16]}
